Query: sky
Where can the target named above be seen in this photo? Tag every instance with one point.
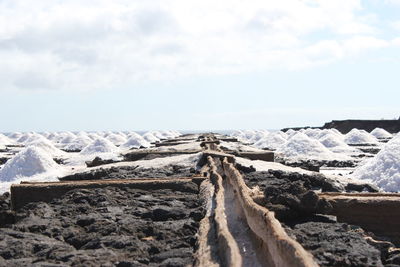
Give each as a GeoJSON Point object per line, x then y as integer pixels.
{"type": "Point", "coordinates": [196, 65]}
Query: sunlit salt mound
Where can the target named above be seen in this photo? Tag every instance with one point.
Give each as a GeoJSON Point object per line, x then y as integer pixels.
{"type": "Point", "coordinates": [94, 136]}
{"type": "Point", "coordinates": [28, 162]}
{"type": "Point", "coordinates": [52, 137]}
{"type": "Point", "coordinates": [100, 145]}
{"type": "Point", "coordinates": [381, 133]}
{"type": "Point", "coordinates": [46, 146]}
{"type": "Point", "coordinates": [158, 134]}
{"type": "Point", "coordinates": [384, 168]}
{"type": "Point", "coordinates": [78, 143]}
{"type": "Point", "coordinates": [356, 137]}
{"type": "Point", "coordinates": [15, 135]}
{"type": "Point", "coordinates": [4, 141]}
{"type": "Point", "coordinates": [290, 133]}
{"type": "Point", "coordinates": [272, 141]}
{"type": "Point", "coordinates": [133, 134]}
{"type": "Point", "coordinates": [149, 137]}
{"type": "Point", "coordinates": [302, 146]}
{"type": "Point", "coordinates": [313, 133]}
{"type": "Point", "coordinates": [65, 137]}
{"type": "Point", "coordinates": [335, 143]}
{"type": "Point", "coordinates": [135, 142]}
{"type": "Point", "coordinates": [116, 139]}
{"type": "Point", "coordinates": [321, 135]}
{"type": "Point", "coordinates": [258, 135]}
{"type": "Point", "coordinates": [167, 134]}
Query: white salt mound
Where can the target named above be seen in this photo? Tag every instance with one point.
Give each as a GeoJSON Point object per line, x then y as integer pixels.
{"type": "Point", "coordinates": [258, 136]}
{"type": "Point", "coordinates": [149, 137]}
{"type": "Point", "coordinates": [28, 162]}
{"type": "Point", "coordinates": [135, 142]}
{"type": "Point", "coordinates": [167, 134]}
{"type": "Point", "coordinates": [15, 135]}
{"type": "Point", "coordinates": [312, 133]}
{"type": "Point", "coordinates": [46, 146]}
{"type": "Point", "coordinates": [381, 133]}
{"type": "Point", "coordinates": [133, 134]}
{"type": "Point", "coordinates": [330, 132]}
{"type": "Point", "coordinates": [78, 143]}
{"type": "Point", "coordinates": [271, 141]}
{"type": "Point", "coordinates": [384, 168]}
{"type": "Point", "coordinates": [302, 146]}
{"type": "Point", "coordinates": [158, 134]}
{"type": "Point", "coordinates": [355, 137]}
{"type": "Point", "coordinates": [100, 145]}
{"type": "Point", "coordinates": [4, 140]}
{"type": "Point", "coordinates": [336, 144]}
{"type": "Point", "coordinates": [116, 139]}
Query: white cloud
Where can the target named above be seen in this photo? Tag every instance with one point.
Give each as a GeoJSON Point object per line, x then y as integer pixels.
{"type": "Point", "coordinates": [110, 44]}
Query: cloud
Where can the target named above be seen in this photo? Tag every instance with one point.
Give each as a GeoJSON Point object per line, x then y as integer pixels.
{"type": "Point", "coordinates": [86, 45]}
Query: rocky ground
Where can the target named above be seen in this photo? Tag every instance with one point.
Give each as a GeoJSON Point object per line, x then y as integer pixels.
{"type": "Point", "coordinates": [131, 172]}
{"type": "Point", "coordinates": [105, 227]}
{"type": "Point", "coordinates": [293, 199]}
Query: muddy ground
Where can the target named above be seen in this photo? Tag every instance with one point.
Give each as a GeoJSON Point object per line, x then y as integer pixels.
{"type": "Point", "coordinates": [291, 196]}
{"type": "Point", "coordinates": [106, 227]}
{"type": "Point", "coordinates": [131, 172]}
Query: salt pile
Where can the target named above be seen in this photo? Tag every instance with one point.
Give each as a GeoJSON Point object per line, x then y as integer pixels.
{"type": "Point", "coordinates": [258, 136]}
{"type": "Point", "coordinates": [381, 133]}
{"type": "Point", "coordinates": [330, 132]}
{"type": "Point", "coordinates": [31, 137]}
{"type": "Point", "coordinates": [290, 133]}
{"type": "Point", "coordinates": [28, 162]}
{"type": "Point", "coordinates": [24, 137]}
{"type": "Point", "coordinates": [4, 141]}
{"type": "Point", "coordinates": [116, 139]}
{"type": "Point", "coordinates": [46, 146]}
{"type": "Point", "coordinates": [167, 134]}
{"type": "Point", "coordinates": [384, 168]}
{"type": "Point", "coordinates": [52, 137]}
{"type": "Point", "coordinates": [100, 145]}
{"type": "Point", "coordinates": [15, 136]}
{"type": "Point", "coordinates": [312, 133]}
{"type": "Point", "coordinates": [158, 135]}
{"type": "Point", "coordinates": [78, 143]}
{"type": "Point", "coordinates": [64, 137]}
{"type": "Point", "coordinates": [133, 134]}
{"type": "Point", "coordinates": [94, 136]}
{"type": "Point", "coordinates": [135, 142]}
{"type": "Point", "coordinates": [336, 144]}
{"type": "Point", "coordinates": [149, 137]}
{"type": "Point", "coordinates": [302, 146]}
{"type": "Point", "coordinates": [250, 136]}
{"type": "Point", "coordinates": [272, 141]}
{"type": "Point", "coordinates": [357, 137]}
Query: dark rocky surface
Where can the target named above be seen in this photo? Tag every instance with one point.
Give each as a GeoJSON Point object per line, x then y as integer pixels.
{"type": "Point", "coordinates": [105, 227]}
{"type": "Point", "coordinates": [335, 244]}
{"type": "Point", "coordinates": [291, 195]}
{"type": "Point", "coordinates": [3, 160]}
{"type": "Point", "coordinates": [6, 215]}
{"type": "Point", "coordinates": [131, 172]}
{"type": "Point", "coordinates": [298, 207]}
{"type": "Point", "coordinates": [345, 126]}
{"type": "Point", "coordinates": [315, 165]}
{"type": "Point", "coordinates": [97, 161]}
